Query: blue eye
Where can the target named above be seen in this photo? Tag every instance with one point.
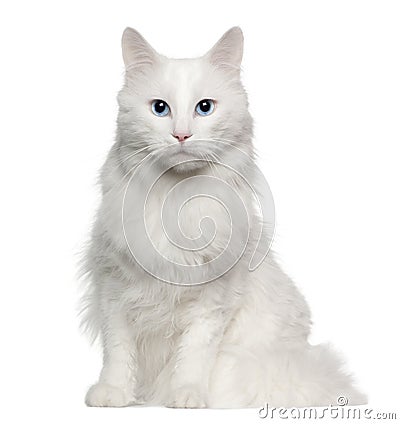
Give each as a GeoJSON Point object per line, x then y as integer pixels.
{"type": "Point", "coordinates": [160, 108]}
{"type": "Point", "coordinates": [205, 107]}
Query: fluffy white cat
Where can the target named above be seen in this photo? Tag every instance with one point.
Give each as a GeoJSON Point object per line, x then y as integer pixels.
{"type": "Point", "coordinates": [183, 319]}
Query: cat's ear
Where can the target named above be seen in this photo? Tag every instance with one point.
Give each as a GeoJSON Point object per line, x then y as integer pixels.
{"type": "Point", "coordinates": [228, 51]}
{"type": "Point", "coordinates": [136, 51]}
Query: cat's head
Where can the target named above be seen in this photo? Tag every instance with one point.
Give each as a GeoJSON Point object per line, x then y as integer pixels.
{"type": "Point", "coordinates": [184, 109]}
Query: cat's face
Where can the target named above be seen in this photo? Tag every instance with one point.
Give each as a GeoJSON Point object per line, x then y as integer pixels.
{"type": "Point", "coordinates": [184, 109]}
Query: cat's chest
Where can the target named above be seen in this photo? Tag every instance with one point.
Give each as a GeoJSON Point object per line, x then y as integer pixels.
{"type": "Point", "coordinates": [187, 225]}
{"type": "Point", "coordinates": [181, 222]}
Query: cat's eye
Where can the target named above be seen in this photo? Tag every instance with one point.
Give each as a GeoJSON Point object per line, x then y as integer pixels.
{"type": "Point", "coordinates": [205, 107]}
{"type": "Point", "coordinates": [160, 108]}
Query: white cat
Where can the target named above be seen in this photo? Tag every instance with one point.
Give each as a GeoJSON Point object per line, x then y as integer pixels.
{"type": "Point", "coordinates": [183, 320]}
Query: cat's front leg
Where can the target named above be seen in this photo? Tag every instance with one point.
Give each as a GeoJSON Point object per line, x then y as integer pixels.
{"type": "Point", "coordinates": [195, 357]}
{"type": "Point", "coordinates": [116, 384]}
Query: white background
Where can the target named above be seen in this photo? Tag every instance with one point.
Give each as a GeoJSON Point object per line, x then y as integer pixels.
{"type": "Point", "coordinates": [324, 86]}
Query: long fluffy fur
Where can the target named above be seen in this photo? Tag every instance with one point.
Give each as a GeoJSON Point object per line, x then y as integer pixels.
{"type": "Point", "coordinates": [239, 341]}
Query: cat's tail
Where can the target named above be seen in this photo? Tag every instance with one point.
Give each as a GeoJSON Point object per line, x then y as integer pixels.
{"type": "Point", "coordinates": [298, 377]}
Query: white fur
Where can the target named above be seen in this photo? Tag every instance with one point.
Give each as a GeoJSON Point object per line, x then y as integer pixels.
{"type": "Point", "coordinates": [238, 341]}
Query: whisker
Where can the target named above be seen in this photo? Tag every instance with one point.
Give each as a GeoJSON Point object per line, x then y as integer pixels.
{"type": "Point", "coordinates": [214, 161]}
{"type": "Point", "coordinates": [136, 165]}
{"type": "Point", "coordinates": [130, 156]}
{"type": "Point", "coordinates": [227, 141]}
{"type": "Point", "coordinates": [222, 140]}
{"type": "Point", "coordinates": [210, 158]}
{"type": "Point", "coordinates": [235, 144]}
{"type": "Point", "coordinates": [123, 146]}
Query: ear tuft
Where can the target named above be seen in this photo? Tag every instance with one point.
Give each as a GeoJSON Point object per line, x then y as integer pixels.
{"type": "Point", "coordinates": [228, 50]}
{"type": "Point", "coordinates": [136, 51]}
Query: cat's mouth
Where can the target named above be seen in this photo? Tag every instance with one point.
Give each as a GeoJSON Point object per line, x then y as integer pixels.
{"type": "Point", "coordinates": [185, 158]}
{"type": "Point", "coordinates": [186, 151]}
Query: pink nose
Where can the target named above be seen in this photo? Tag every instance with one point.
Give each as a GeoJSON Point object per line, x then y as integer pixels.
{"type": "Point", "coordinates": [181, 136]}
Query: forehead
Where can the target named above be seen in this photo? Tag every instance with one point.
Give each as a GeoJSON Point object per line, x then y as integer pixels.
{"type": "Point", "coordinates": [185, 80]}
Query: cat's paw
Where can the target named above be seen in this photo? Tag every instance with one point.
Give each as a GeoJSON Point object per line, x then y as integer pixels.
{"type": "Point", "coordinates": [103, 394]}
{"type": "Point", "coordinates": [186, 397]}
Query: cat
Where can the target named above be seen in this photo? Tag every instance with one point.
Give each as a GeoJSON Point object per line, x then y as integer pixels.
{"type": "Point", "coordinates": [183, 319]}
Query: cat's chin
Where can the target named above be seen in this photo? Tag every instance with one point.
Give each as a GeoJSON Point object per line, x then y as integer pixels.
{"type": "Point", "coordinates": [185, 160]}
{"type": "Point", "coordinates": [188, 167]}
